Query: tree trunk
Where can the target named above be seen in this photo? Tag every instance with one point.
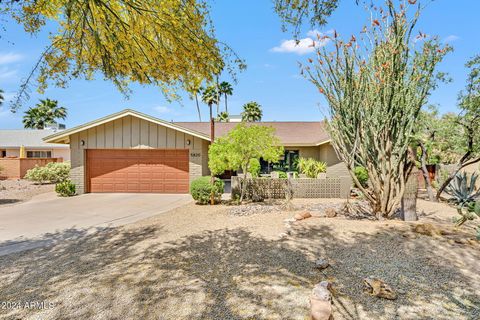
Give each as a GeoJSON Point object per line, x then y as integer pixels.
{"type": "Point", "coordinates": [226, 107]}
{"type": "Point", "coordinates": [212, 138]}
{"type": "Point", "coordinates": [408, 210]}
{"type": "Point", "coordinates": [198, 108]}
{"type": "Point", "coordinates": [426, 176]}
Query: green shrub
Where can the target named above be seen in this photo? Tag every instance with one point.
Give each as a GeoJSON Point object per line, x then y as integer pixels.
{"type": "Point", "coordinates": [53, 172]}
{"type": "Point", "coordinates": [201, 190]}
{"type": "Point", "coordinates": [311, 167]}
{"type": "Point", "coordinates": [362, 175]}
{"type": "Point", "coordinates": [254, 167]}
{"type": "Point", "coordinates": [281, 174]}
{"type": "Point", "coordinates": [65, 188]}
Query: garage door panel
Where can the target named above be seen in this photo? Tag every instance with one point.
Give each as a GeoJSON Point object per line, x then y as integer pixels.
{"type": "Point", "coordinates": [134, 170]}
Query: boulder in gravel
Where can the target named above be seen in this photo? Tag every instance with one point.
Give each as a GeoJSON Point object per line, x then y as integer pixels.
{"type": "Point", "coordinates": [378, 288]}
{"type": "Point", "coordinates": [322, 263]}
{"type": "Point", "coordinates": [321, 302]}
{"type": "Point", "coordinates": [330, 213]}
{"type": "Point", "coordinates": [428, 229]}
{"type": "Point", "coordinates": [302, 215]}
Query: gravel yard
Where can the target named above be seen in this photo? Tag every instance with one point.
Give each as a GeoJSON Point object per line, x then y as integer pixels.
{"type": "Point", "coordinates": [223, 262]}
{"type": "Point", "coordinates": [14, 191]}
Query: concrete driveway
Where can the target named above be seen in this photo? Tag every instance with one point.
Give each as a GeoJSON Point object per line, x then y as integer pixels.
{"type": "Point", "coordinates": [47, 218]}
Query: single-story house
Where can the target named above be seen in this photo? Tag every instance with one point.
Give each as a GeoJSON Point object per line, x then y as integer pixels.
{"type": "Point", "coordinates": [130, 151]}
{"type": "Point", "coordinates": [37, 151]}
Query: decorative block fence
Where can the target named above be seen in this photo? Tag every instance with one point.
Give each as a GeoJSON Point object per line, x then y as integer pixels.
{"type": "Point", "coordinates": [273, 188]}
{"type": "Point", "coordinates": [16, 168]}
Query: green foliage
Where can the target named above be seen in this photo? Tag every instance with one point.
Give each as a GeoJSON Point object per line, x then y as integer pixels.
{"type": "Point", "coordinates": [225, 89]}
{"type": "Point", "coordinates": [43, 114]}
{"type": "Point", "coordinates": [465, 197]}
{"type": "Point", "coordinates": [311, 167]}
{"type": "Point", "coordinates": [202, 188]}
{"type": "Point", "coordinates": [252, 112]}
{"type": "Point", "coordinates": [169, 44]}
{"type": "Point", "coordinates": [375, 85]}
{"type": "Point", "coordinates": [281, 174]}
{"type": "Point", "coordinates": [254, 167]}
{"type": "Point", "coordinates": [362, 175]}
{"type": "Point", "coordinates": [294, 12]}
{"type": "Point", "coordinates": [223, 117]}
{"type": "Point", "coordinates": [463, 189]}
{"type": "Point", "coordinates": [53, 172]}
{"type": "Point", "coordinates": [65, 188]}
{"type": "Point", "coordinates": [235, 150]}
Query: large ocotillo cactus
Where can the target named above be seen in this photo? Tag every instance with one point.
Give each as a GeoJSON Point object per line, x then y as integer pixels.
{"type": "Point", "coordinates": [375, 87]}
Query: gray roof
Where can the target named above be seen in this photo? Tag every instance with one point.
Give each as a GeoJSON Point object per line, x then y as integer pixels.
{"type": "Point", "coordinates": [27, 138]}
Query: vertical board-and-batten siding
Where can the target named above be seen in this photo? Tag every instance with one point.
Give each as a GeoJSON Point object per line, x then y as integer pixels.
{"type": "Point", "coordinates": [134, 133]}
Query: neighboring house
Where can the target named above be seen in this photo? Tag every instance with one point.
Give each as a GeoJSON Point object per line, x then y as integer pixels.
{"type": "Point", "coordinates": [32, 140]}
{"type": "Point", "coordinates": [37, 151]}
{"type": "Point", "coordinates": [133, 152]}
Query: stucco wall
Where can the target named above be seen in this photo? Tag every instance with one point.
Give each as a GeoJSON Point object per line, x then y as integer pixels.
{"type": "Point", "coordinates": [335, 167]}
{"type": "Point", "coordinates": [134, 133]}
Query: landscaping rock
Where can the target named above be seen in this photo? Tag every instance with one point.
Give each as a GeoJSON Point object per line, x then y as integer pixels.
{"type": "Point", "coordinates": [330, 213]}
{"type": "Point", "coordinates": [428, 229]}
{"type": "Point", "coordinates": [298, 217]}
{"type": "Point", "coordinates": [302, 215]}
{"type": "Point", "coordinates": [322, 263]}
{"type": "Point", "coordinates": [321, 302]}
{"type": "Point", "coordinates": [378, 288]}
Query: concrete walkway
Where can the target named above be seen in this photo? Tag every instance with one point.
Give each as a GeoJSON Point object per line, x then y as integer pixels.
{"type": "Point", "coordinates": [47, 218]}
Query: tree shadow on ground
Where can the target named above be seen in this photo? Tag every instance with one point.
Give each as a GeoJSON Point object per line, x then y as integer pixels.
{"type": "Point", "coordinates": [234, 274]}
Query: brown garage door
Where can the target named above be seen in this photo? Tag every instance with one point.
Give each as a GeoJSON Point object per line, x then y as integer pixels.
{"type": "Point", "coordinates": [147, 171]}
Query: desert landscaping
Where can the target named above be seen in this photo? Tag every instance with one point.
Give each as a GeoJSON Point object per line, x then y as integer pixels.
{"type": "Point", "coordinates": [221, 262]}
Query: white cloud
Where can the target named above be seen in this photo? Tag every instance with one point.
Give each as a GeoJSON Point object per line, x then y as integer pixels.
{"type": "Point", "coordinates": [302, 46]}
{"type": "Point", "coordinates": [10, 57]}
{"type": "Point", "coordinates": [162, 109]}
{"type": "Point", "coordinates": [7, 75]}
{"type": "Point", "coordinates": [451, 38]}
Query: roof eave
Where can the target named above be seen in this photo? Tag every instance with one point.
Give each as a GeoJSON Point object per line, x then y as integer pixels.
{"type": "Point", "coordinates": [63, 136]}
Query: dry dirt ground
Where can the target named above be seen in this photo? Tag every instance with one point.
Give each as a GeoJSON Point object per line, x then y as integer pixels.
{"type": "Point", "coordinates": [14, 191]}
{"type": "Point", "coordinates": [203, 262]}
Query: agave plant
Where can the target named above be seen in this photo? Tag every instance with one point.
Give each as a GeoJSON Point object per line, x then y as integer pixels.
{"type": "Point", "coordinates": [463, 190]}
{"type": "Point", "coordinates": [465, 196]}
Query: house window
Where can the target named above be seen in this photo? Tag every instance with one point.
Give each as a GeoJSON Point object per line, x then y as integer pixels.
{"type": "Point", "coordinates": [39, 154]}
{"type": "Point", "coordinates": [288, 162]}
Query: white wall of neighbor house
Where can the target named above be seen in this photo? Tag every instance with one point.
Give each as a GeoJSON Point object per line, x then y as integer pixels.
{"type": "Point", "coordinates": [63, 153]}
{"type": "Point", "coordinates": [13, 152]}
{"type": "Point", "coordinates": [134, 133]}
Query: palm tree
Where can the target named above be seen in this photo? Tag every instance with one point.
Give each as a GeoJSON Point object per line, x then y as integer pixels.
{"type": "Point", "coordinates": [225, 89]}
{"type": "Point", "coordinates": [252, 112]}
{"type": "Point", "coordinates": [194, 92]}
{"type": "Point", "coordinates": [210, 96]}
{"type": "Point", "coordinates": [223, 117]}
{"type": "Point", "coordinates": [43, 114]}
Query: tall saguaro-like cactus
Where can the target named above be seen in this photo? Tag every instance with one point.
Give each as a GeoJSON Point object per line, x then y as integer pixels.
{"type": "Point", "coordinates": [375, 87]}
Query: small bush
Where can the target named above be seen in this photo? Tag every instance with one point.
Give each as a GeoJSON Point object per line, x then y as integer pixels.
{"type": "Point", "coordinates": [311, 167]}
{"type": "Point", "coordinates": [53, 172]}
{"type": "Point", "coordinates": [254, 167]}
{"type": "Point", "coordinates": [65, 188]}
{"type": "Point", "coordinates": [201, 190]}
{"type": "Point", "coordinates": [281, 174]}
{"type": "Point", "coordinates": [362, 175]}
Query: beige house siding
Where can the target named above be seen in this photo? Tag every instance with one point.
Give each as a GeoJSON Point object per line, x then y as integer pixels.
{"type": "Point", "coordinates": [134, 133]}
{"type": "Point", "coordinates": [335, 167]}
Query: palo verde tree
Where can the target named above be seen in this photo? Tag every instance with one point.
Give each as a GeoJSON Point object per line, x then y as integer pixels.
{"type": "Point", "coordinates": [464, 129]}
{"type": "Point", "coordinates": [168, 43]}
{"type": "Point", "coordinates": [244, 143]}
{"type": "Point", "coordinates": [375, 89]}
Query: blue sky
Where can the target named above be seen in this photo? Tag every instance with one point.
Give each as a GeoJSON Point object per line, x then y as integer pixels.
{"type": "Point", "coordinates": [272, 78]}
